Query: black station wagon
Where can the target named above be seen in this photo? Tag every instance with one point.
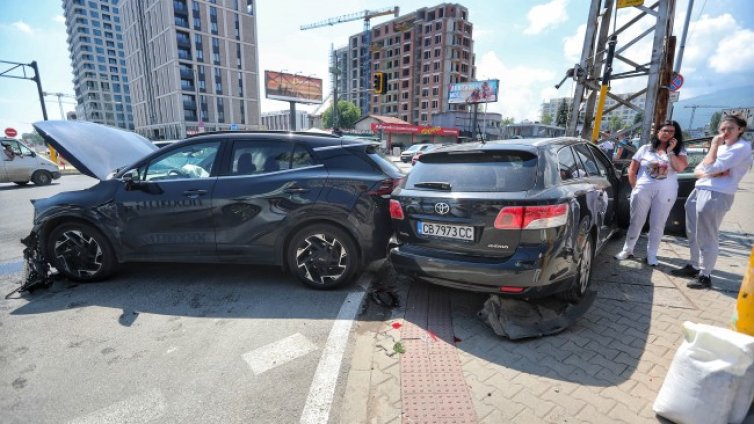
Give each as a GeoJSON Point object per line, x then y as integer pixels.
{"type": "Point", "coordinates": [317, 205]}
{"type": "Point", "coordinates": [522, 218]}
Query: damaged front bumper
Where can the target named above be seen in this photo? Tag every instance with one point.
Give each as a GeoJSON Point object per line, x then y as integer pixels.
{"type": "Point", "coordinates": [36, 273]}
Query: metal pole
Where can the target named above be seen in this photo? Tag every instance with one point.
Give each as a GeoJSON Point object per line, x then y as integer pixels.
{"type": "Point", "coordinates": [611, 42]}
{"type": "Point", "coordinates": [679, 58]}
{"type": "Point", "coordinates": [36, 79]}
{"type": "Point", "coordinates": [293, 116]}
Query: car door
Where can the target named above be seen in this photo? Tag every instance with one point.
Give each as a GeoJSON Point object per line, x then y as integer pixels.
{"type": "Point", "coordinates": [23, 164]}
{"type": "Point", "coordinates": [167, 213]}
{"type": "Point", "coordinates": [268, 184]}
{"type": "Point", "coordinates": [602, 201]}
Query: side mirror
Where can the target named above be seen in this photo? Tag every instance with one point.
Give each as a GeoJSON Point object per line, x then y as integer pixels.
{"type": "Point", "coordinates": [131, 178]}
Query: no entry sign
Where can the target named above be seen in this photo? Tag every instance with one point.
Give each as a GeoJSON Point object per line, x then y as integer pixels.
{"type": "Point", "coordinates": [11, 132]}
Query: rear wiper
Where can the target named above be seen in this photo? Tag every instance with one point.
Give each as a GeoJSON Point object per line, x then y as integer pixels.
{"type": "Point", "coordinates": [434, 185]}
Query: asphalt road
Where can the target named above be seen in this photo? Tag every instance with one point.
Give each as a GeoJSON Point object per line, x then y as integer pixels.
{"type": "Point", "coordinates": [168, 343]}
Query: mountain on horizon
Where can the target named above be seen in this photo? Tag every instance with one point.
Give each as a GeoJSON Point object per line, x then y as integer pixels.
{"type": "Point", "coordinates": [727, 98]}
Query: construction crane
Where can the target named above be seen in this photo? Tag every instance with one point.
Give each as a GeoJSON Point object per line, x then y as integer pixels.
{"type": "Point", "coordinates": [60, 101]}
{"type": "Point", "coordinates": [366, 15]}
{"type": "Point", "coordinates": [693, 111]}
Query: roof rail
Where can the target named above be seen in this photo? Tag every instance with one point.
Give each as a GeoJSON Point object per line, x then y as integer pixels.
{"type": "Point", "coordinates": [264, 132]}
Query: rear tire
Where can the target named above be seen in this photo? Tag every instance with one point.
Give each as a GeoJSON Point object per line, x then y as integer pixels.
{"type": "Point", "coordinates": [581, 282]}
{"type": "Point", "coordinates": [80, 252]}
{"type": "Point", "coordinates": [322, 256]}
{"type": "Point", "coordinates": [41, 178]}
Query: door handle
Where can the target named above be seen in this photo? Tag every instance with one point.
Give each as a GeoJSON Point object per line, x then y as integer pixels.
{"type": "Point", "coordinates": [296, 190]}
{"type": "Point", "coordinates": [193, 194]}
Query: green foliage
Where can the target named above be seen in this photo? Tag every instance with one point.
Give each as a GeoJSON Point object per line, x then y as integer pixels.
{"type": "Point", "coordinates": [714, 122]}
{"type": "Point", "coordinates": [349, 113]}
{"type": "Point", "coordinates": [615, 123]}
{"type": "Point", "coordinates": [507, 121]}
{"type": "Point", "coordinates": [638, 118]}
{"type": "Point", "coordinates": [561, 118]}
{"type": "Point", "coordinates": [546, 119]}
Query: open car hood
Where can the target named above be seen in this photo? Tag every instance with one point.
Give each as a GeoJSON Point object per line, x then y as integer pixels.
{"type": "Point", "coordinates": [95, 150]}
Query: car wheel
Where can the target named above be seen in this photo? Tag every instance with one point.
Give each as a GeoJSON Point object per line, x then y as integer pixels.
{"type": "Point", "coordinates": [21, 183]}
{"type": "Point", "coordinates": [322, 256]}
{"type": "Point", "coordinates": [41, 178]}
{"type": "Point", "coordinates": [80, 252]}
{"type": "Point", "coordinates": [583, 276]}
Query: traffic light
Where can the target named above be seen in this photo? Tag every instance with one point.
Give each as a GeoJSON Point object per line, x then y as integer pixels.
{"type": "Point", "coordinates": [378, 83]}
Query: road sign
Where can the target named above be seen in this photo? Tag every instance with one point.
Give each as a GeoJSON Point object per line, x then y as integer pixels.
{"type": "Point", "coordinates": [11, 132]}
{"type": "Point", "coordinates": [676, 82]}
{"type": "Point", "coordinates": [674, 96]}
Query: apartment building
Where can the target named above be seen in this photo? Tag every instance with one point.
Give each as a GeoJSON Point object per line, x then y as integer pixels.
{"type": "Point", "coordinates": [421, 53]}
{"type": "Point", "coordinates": [193, 65]}
{"type": "Point", "coordinates": [100, 76]}
{"type": "Point", "coordinates": [281, 120]}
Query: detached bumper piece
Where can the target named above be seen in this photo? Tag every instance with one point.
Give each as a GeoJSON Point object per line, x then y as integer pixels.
{"type": "Point", "coordinates": [36, 268]}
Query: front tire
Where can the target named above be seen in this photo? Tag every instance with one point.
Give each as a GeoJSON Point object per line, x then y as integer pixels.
{"type": "Point", "coordinates": [322, 256]}
{"type": "Point", "coordinates": [581, 281]}
{"type": "Point", "coordinates": [41, 178]}
{"type": "Point", "coordinates": [80, 252]}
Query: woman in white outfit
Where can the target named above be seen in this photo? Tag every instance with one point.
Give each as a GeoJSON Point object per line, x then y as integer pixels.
{"type": "Point", "coordinates": [654, 182]}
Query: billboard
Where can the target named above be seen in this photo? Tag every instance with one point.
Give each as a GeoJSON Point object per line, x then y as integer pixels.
{"type": "Point", "coordinates": [473, 92]}
{"type": "Point", "coordinates": [292, 88]}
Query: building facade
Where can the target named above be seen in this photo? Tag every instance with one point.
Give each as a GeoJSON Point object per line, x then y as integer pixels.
{"type": "Point", "coordinates": [281, 120]}
{"type": "Point", "coordinates": [193, 65]}
{"type": "Point", "coordinates": [625, 114]}
{"type": "Point", "coordinates": [421, 54]}
{"type": "Point", "coordinates": [100, 75]}
{"type": "Point", "coordinates": [488, 123]}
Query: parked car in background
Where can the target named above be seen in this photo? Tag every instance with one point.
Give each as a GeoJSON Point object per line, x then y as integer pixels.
{"type": "Point", "coordinates": [316, 205]}
{"type": "Point", "coordinates": [26, 165]}
{"type": "Point", "coordinates": [523, 218]}
{"type": "Point", "coordinates": [409, 153]}
{"type": "Point", "coordinates": [419, 154]}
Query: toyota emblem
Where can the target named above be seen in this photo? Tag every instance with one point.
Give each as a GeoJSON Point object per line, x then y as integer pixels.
{"type": "Point", "coordinates": [442, 208]}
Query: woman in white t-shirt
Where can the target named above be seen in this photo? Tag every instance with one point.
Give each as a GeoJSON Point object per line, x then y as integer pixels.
{"type": "Point", "coordinates": [654, 182]}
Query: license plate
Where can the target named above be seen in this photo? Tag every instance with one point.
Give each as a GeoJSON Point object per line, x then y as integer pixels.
{"type": "Point", "coordinates": [457, 232]}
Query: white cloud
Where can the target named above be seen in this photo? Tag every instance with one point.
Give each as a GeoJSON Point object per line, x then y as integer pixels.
{"type": "Point", "coordinates": [734, 53]}
{"type": "Point", "coordinates": [520, 94]}
{"type": "Point", "coordinates": [544, 16]}
{"type": "Point", "coordinates": [23, 27]}
{"type": "Point", "coordinates": [59, 18]}
{"type": "Point", "coordinates": [705, 35]}
{"type": "Point", "coordinates": [573, 45]}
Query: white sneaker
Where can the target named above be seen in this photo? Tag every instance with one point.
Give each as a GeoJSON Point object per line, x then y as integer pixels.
{"type": "Point", "coordinates": [651, 260]}
{"type": "Point", "coordinates": [623, 255]}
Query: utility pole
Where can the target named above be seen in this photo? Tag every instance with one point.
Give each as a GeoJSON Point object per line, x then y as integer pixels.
{"type": "Point", "coordinates": [22, 67]}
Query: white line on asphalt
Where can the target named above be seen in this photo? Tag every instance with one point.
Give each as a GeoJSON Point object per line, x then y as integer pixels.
{"type": "Point", "coordinates": [142, 408]}
{"type": "Point", "coordinates": [322, 390]}
{"type": "Point", "coordinates": [278, 353]}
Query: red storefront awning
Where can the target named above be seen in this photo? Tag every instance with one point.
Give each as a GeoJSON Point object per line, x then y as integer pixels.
{"type": "Point", "coordinates": [414, 129]}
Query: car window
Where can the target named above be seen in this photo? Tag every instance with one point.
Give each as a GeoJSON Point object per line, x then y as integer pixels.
{"type": "Point", "coordinates": [193, 161]}
{"type": "Point", "coordinates": [485, 171]}
{"type": "Point", "coordinates": [695, 157]}
{"type": "Point", "coordinates": [14, 145]}
{"type": "Point", "coordinates": [301, 157]}
{"type": "Point", "coordinates": [567, 164]}
{"type": "Point", "coordinates": [602, 163]}
{"type": "Point", "coordinates": [587, 160]}
{"type": "Point", "coordinates": [259, 157]}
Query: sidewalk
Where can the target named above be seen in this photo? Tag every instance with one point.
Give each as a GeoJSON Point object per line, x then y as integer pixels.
{"type": "Point", "coordinates": [608, 367]}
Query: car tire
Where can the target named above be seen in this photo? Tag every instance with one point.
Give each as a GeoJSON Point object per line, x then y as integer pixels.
{"type": "Point", "coordinates": [322, 256]}
{"type": "Point", "coordinates": [80, 252]}
{"type": "Point", "coordinates": [582, 279]}
{"type": "Point", "coordinates": [21, 183]}
{"type": "Point", "coordinates": [41, 178]}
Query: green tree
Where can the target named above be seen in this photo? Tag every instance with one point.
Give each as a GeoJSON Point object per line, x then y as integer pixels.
{"type": "Point", "coordinates": [714, 122]}
{"type": "Point", "coordinates": [507, 121]}
{"type": "Point", "coordinates": [546, 119]}
{"type": "Point", "coordinates": [638, 118]}
{"type": "Point", "coordinates": [348, 112]}
{"type": "Point", "coordinates": [561, 118]}
{"type": "Point", "coordinates": [615, 123]}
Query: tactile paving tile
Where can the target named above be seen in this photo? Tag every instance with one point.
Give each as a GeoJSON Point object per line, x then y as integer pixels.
{"type": "Point", "coordinates": [433, 387]}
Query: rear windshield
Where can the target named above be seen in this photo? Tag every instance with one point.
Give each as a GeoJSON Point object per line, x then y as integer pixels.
{"type": "Point", "coordinates": [475, 171]}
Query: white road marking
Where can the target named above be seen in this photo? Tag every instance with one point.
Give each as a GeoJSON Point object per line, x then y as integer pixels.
{"type": "Point", "coordinates": [278, 353]}
{"type": "Point", "coordinates": [138, 409]}
{"type": "Point", "coordinates": [322, 390]}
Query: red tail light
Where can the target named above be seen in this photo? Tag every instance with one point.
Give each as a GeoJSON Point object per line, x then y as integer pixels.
{"type": "Point", "coordinates": [511, 289]}
{"type": "Point", "coordinates": [396, 211]}
{"type": "Point", "coordinates": [386, 186]}
{"type": "Point", "coordinates": [531, 217]}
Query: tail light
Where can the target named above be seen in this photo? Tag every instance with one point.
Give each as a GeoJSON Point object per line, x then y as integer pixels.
{"type": "Point", "coordinates": [396, 211]}
{"type": "Point", "coordinates": [511, 289]}
{"type": "Point", "coordinates": [386, 186]}
{"type": "Point", "coordinates": [531, 217]}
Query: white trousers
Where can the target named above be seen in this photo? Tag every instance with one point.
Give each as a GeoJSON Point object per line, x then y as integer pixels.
{"type": "Point", "coordinates": [705, 210]}
{"type": "Point", "coordinates": [657, 198]}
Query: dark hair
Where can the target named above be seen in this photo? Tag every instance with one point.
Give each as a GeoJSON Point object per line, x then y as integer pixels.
{"type": "Point", "coordinates": [678, 135]}
{"type": "Point", "coordinates": [736, 119]}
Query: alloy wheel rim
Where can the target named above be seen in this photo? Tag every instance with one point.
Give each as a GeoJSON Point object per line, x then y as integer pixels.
{"type": "Point", "coordinates": [321, 258]}
{"type": "Point", "coordinates": [585, 267]}
{"type": "Point", "coordinates": [44, 179]}
{"type": "Point", "coordinates": [78, 253]}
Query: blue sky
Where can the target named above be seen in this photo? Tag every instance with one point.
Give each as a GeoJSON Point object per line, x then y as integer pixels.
{"type": "Point", "coordinates": [527, 45]}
